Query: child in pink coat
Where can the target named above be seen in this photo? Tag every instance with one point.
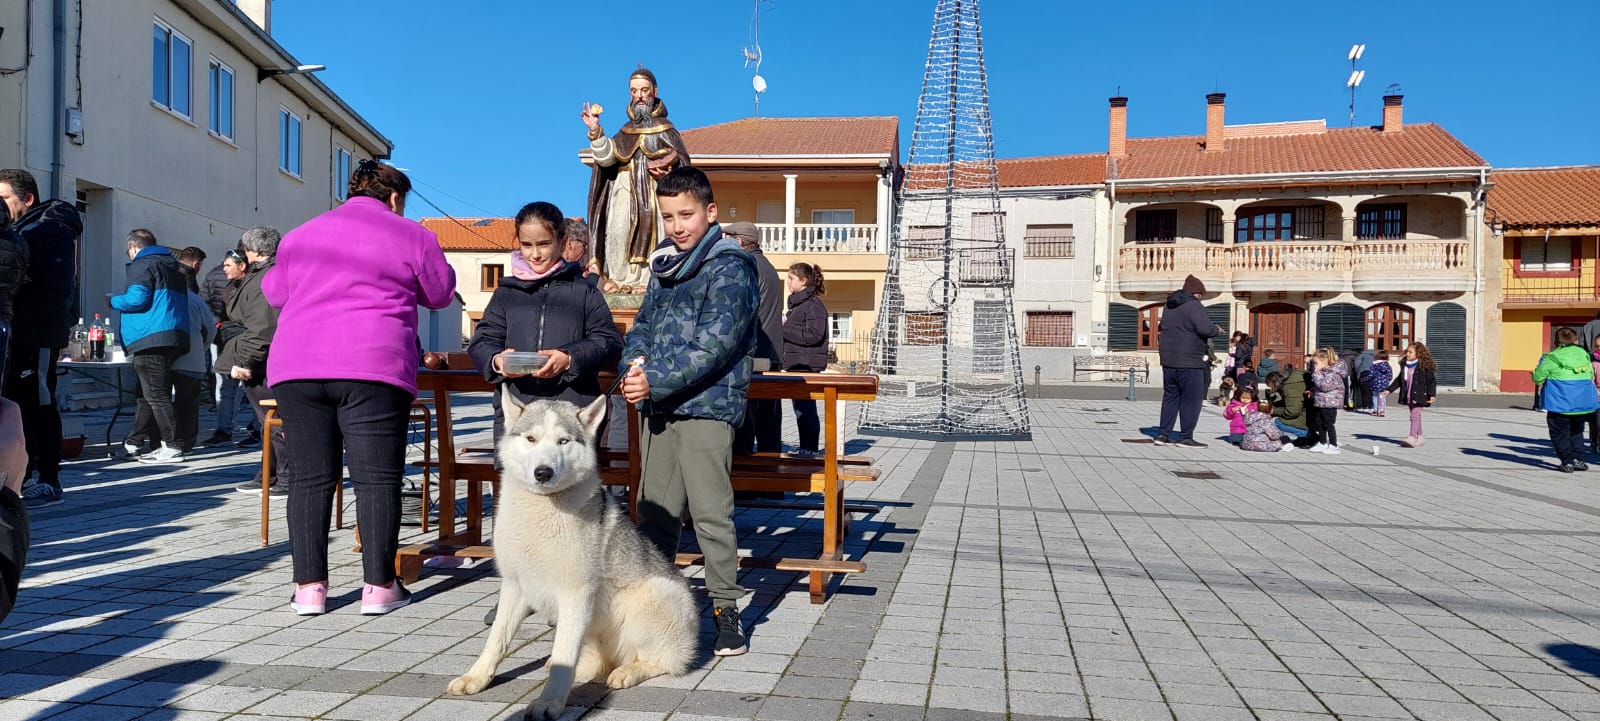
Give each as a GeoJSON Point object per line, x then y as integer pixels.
{"type": "Point", "coordinates": [1243, 397]}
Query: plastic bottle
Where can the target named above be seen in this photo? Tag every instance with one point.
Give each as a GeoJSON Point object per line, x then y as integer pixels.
{"type": "Point", "coordinates": [78, 342]}
{"type": "Point", "coordinates": [111, 335]}
{"type": "Point", "coordinates": [97, 340]}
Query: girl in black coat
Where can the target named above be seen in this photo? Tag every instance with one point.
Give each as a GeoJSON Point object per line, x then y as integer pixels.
{"type": "Point", "coordinates": [545, 305]}
{"type": "Point", "coordinates": [805, 344]}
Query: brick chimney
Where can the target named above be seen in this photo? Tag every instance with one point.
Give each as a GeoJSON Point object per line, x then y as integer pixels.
{"type": "Point", "coordinates": [259, 12]}
{"type": "Point", "coordinates": [1214, 108]}
{"type": "Point", "coordinates": [1392, 113]}
{"type": "Point", "coordinates": [1118, 144]}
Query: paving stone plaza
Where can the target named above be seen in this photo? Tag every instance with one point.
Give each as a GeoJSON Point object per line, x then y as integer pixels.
{"type": "Point", "coordinates": [1076, 575]}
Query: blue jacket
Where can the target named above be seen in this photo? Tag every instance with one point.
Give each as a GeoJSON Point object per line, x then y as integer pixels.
{"type": "Point", "coordinates": [155, 307]}
{"type": "Point", "coordinates": [697, 332]}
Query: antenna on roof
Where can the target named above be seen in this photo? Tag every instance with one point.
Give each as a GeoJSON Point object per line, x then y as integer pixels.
{"type": "Point", "coordinates": [752, 53]}
{"type": "Point", "coordinates": [1356, 76]}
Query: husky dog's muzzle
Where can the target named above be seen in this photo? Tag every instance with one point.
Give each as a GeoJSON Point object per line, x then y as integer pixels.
{"type": "Point", "coordinates": [543, 475]}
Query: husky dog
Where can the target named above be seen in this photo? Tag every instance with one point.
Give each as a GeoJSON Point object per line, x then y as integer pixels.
{"type": "Point", "coordinates": [621, 611]}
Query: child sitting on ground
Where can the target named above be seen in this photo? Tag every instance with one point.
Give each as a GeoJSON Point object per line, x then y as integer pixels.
{"type": "Point", "coordinates": [1243, 397]}
{"type": "Point", "coordinates": [1261, 430]}
{"type": "Point", "coordinates": [1269, 364]}
{"type": "Point", "coordinates": [1224, 393]}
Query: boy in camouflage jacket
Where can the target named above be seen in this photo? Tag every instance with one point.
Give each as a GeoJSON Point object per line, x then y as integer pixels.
{"type": "Point", "coordinates": [696, 332]}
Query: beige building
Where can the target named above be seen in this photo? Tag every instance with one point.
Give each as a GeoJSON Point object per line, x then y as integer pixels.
{"type": "Point", "coordinates": [479, 250]}
{"type": "Point", "coordinates": [171, 115]}
{"type": "Point", "coordinates": [1305, 236]}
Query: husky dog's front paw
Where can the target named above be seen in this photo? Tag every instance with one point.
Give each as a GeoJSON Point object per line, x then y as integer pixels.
{"type": "Point", "coordinates": [543, 710]}
{"type": "Point", "coordinates": [468, 685]}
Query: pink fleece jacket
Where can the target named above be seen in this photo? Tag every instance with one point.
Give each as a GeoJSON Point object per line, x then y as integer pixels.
{"type": "Point", "coordinates": [347, 284]}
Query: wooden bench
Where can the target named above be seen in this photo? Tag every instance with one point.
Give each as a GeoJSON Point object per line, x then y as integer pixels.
{"type": "Point", "coordinates": [826, 475]}
{"type": "Point", "coordinates": [1111, 363]}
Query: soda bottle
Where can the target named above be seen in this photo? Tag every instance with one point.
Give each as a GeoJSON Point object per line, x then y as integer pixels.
{"type": "Point", "coordinates": [97, 340]}
{"type": "Point", "coordinates": [111, 335]}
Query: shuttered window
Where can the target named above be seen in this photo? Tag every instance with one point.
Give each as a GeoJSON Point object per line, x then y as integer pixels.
{"type": "Point", "coordinates": [1341, 326]}
{"type": "Point", "coordinates": [924, 328]}
{"type": "Point", "coordinates": [1546, 256]}
{"type": "Point", "coordinates": [1222, 315]}
{"type": "Point", "coordinates": [1447, 341]}
{"type": "Point", "coordinates": [1049, 328]}
{"type": "Point", "coordinates": [1047, 241]}
{"type": "Point", "coordinates": [924, 242]}
{"type": "Point", "coordinates": [1122, 327]}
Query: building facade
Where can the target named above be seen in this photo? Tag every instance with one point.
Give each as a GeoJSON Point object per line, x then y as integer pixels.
{"type": "Point", "coordinates": [1305, 236]}
{"type": "Point", "coordinates": [171, 115]}
{"type": "Point", "coordinates": [1545, 225]}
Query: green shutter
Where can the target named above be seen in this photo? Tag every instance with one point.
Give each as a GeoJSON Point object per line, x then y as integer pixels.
{"type": "Point", "coordinates": [1220, 314]}
{"type": "Point", "coordinates": [1122, 327]}
{"type": "Point", "coordinates": [1341, 326]}
{"type": "Point", "coordinates": [1447, 341]}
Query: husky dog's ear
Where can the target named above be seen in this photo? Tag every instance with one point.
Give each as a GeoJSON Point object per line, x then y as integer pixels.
{"type": "Point", "coordinates": [593, 415]}
{"type": "Point", "coordinates": [511, 406]}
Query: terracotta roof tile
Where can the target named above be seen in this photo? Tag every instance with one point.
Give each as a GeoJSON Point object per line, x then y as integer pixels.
{"type": "Point", "coordinates": [871, 135]}
{"type": "Point", "coordinates": [1538, 197]}
{"type": "Point", "coordinates": [472, 234]}
{"type": "Point", "coordinates": [1087, 169]}
{"type": "Point", "coordinates": [1423, 145]}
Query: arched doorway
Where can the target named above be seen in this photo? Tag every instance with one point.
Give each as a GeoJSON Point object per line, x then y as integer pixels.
{"type": "Point", "coordinates": [1447, 341]}
{"type": "Point", "coordinates": [1280, 327]}
{"type": "Point", "coordinates": [1390, 327]}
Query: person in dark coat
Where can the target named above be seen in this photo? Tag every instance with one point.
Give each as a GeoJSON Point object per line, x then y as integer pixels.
{"type": "Point", "coordinates": [546, 306]}
{"type": "Point", "coordinates": [247, 349]}
{"type": "Point", "coordinates": [45, 309]}
{"type": "Point", "coordinates": [805, 344]}
{"type": "Point", "coordinates": [234, 267]}
{"type": "Point", "coordinates": [1185, 332]}
{"type": "Point", "coordinates": [762, 430]}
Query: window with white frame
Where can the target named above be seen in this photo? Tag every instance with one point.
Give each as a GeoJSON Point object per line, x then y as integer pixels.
{"type": "Point", "coordinates": [1540, 255]}
{"type": "Point", "coordinates": [220, 78]}
{"type": "Point", "coordinates": [840, 327]}
{"type": "Point", "coordinates": [169, 69]}
{"type": "Point", "coordinates": [341, 172]}
{"type": "Point", "coordinates": [288, 141]}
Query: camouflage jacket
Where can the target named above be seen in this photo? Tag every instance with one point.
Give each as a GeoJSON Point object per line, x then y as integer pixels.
{"type": "Point", "coordinates": [697, 333]}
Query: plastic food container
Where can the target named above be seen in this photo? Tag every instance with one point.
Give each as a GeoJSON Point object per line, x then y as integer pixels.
{"type": "Point", "coordinates": [522, 362]}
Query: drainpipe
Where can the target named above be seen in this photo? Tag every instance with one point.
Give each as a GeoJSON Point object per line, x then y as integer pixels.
{"type": "Point", "coordinates": [59, 96]}
{"type": "Point", "coordinates": [1477, 280]}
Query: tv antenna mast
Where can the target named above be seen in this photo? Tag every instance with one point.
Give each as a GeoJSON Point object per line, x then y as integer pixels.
{"type": "Point", "coordinates": [1356, 76]}
{"type": "Point", "coordinates": [752, 53]}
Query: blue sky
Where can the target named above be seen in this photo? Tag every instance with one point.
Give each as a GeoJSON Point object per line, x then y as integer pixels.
{"type": "Point", "coordinates": [482, 101]}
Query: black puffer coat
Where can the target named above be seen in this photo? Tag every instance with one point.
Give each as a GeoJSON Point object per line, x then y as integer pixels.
{"type": "Point", "coordinates": [560, 312]}
{"type": "Point", "coordinates": [13, 271]}
{"type": "Point", "coordinates": [805, 333]}
{"type": "Point", "coordinates": [47, 304]}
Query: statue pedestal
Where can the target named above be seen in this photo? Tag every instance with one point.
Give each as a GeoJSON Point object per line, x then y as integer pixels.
{"type": "Point", "coordinates": [624, 306]}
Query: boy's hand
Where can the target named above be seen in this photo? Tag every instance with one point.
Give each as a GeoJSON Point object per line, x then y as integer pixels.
{"type": "Point", "coordinates": [498, 368]}
{"type": "Point", "coordinates": [556, 363]}
{"type": "Point", "coordinates": [635, 386]}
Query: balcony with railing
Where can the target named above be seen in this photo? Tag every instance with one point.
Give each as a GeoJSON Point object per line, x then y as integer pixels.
{"type": "Point", "coordinates": [1322, 265]}
{"type": "Point", "coordinates": [852, 239]}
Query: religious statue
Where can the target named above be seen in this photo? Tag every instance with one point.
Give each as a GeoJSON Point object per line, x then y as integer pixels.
{"type": "Point", "coordinates": [622, 191]}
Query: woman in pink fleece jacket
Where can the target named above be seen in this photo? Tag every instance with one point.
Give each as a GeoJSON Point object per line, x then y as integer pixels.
{"type": "Point", "coordinates": [344, 366]}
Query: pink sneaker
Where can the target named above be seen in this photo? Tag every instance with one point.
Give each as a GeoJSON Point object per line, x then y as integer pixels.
{"type": "Point", "coordinates": [378, 600]}
{"type": "Point", "coordinates": [310, 600]}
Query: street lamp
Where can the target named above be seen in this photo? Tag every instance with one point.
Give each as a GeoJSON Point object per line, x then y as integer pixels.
{"type": "Point", "coordinates": [265, 73]}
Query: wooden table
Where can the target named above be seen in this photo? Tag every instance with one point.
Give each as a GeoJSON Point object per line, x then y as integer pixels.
{"type": "Point", "coordinates": [450, 373]}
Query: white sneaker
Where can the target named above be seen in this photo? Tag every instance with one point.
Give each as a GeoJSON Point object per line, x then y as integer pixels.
{"type": "Point", "coordinates": [164, 454]}
{"type": "Point", "coordinates": [1285, 448]}
{"type": "Point", "coordinates": [1332, 450]}
{"type": "Point", "coordinates": [1319, 448]}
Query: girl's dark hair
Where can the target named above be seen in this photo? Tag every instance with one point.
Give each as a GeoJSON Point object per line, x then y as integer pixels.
{"type": "Point", "coordinates": [1381, 355]}
{"type": "Point", "coordinates": [811, 274]}
{"type": "Point", "coordinates": [1275, 380]}
{"type": "Point", "coordinates": [548, 215]}
{"type": "Point", "coordinates": [372, 179]}
{"type": "Point", "coordinates": [1239, 392]}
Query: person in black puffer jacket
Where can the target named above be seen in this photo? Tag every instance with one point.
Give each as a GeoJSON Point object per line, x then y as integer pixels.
{"type": "Point", "coordinates": [805, 344]}
{"type": "Point", "coordinates": [1185, 330]}
{"type": "Point", "coordinates": [547, 306]}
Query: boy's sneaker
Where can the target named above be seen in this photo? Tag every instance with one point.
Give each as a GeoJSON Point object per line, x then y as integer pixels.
{"type": "Point", "coordinates": [1567, 468]}
{"type": "Point", "coordinates": [730, 632]}
{"type": "Point", "coordinates": [164, 454]}
{"type": "Point", "coordinates": [310, 600]}
{"type": "Point", "coordinates": [1162, 441]}
{"type": "Point", "coordinates": [1285, 448]}
{"type": "Point", "coordinates": [1318, 448]}
{"type": "Point", "coordinates": [1190, 443]}
{"type": "Point", "coordinates": [129, 452]}
{"type": "Point", "coordinates": [217, 439]}
{"type": "Point", "coordinates": [40, 495]}
{"type": "Point", "coordinates": [378, 600]}
{"type": "Point", "coordinates": [1580, 466]}
{"type": "Point", "coordinates": [1332, 450]}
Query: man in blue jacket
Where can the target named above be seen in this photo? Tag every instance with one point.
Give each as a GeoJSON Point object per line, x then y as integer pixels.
{"type": "Point", "coordinates": [1185, 330]}
{"type": "Point", "coordinates": [155, 333]}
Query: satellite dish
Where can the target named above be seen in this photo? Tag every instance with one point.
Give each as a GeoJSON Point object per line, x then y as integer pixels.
{"type": "Point", "coordinates": [759, 83]}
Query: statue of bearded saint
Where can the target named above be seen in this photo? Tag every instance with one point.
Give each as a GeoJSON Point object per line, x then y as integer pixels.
{"type": "Point", "coordinates": [622, 191]}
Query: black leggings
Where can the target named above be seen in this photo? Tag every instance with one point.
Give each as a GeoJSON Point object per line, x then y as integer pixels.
{"type": "Point", "coordinates": [1329, 417]}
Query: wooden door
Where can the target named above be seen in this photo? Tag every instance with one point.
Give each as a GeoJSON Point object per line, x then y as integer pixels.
{"type": "Point", "coordinates": [1280, 327]}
